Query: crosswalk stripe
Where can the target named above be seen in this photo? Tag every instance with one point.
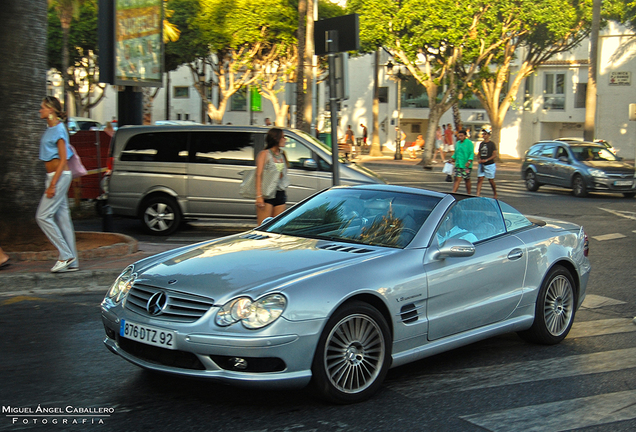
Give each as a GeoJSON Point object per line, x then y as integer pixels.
{"type": "Point", "coordinates": [593, 301]}
{"type": "Point", "coordinates": [561, 416]}
{"type": "Point", "coordinates": [601, 327]}
{"type": "Point", "coordinates": [517, 373]}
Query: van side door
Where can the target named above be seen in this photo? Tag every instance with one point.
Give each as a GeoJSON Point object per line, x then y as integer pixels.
{"type": "Point", "coordinates": [216, 160]}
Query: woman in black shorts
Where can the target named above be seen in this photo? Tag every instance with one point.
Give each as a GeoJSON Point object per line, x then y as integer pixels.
{"type": "Point", "coordinates": [271, 202]}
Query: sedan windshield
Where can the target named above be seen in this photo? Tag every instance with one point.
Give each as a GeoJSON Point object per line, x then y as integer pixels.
{"type": "Point", "coordinates": [370, 217]}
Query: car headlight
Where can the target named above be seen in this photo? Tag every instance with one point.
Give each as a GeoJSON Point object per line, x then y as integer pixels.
{"type": "Point", "coordinates": [122, 284]}
{"type": "Point", "coordinates": [252, 314]}
{"type": "Point", "coordinates": [598, 173]}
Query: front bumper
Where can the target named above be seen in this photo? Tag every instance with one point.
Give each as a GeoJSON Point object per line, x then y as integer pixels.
{"type": "Point", "coordinates": [610, 184]}
{"type": "Point", "coordinates": [280, 359]}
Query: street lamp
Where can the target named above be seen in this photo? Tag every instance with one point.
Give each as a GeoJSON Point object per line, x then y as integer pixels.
{"type": "Point", "coordinates": [398, 131]}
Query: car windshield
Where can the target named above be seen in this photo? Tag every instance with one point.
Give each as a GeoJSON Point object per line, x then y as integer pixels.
{"type": "Point", "coordinates": [592, 153]}
{"type": "Point", "coordinates": [369, 217]}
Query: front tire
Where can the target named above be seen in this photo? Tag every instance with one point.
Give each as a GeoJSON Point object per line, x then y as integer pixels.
{"type": "Point", "coordinates": [160, 215]}
{"type": "Point", "coordinates": [555, 309]}
{"type": "Point", "coordinates": [579, 188]}
{"type": "Point", "coordinates": [353, 354]}
{"type": "Point", "coordinates": [531, 181]}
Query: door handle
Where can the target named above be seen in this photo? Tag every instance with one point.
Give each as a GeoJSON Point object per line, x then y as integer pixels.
{"type": "Point", "coordinates": [515, 254]}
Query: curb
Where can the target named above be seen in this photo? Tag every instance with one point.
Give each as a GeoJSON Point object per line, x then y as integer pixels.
{"type": "Point", "coordinates": [44, 283]}
{"type": "Point", "coordinates": [116, 245]}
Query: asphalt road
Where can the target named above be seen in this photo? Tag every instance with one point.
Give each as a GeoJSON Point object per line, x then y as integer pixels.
{"type": "Point", "coordinates": [53, 357]}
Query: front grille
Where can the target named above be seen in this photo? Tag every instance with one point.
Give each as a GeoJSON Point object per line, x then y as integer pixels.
{"type": "Point", "coordinates": [180, 307]}
{"type": "Point", "coordinates": [250, 364]}
{"type": "Point", "coordinates": [162, 356]}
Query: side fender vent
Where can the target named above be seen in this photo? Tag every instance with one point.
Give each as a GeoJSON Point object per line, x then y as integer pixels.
{"type": "Point", "coordinates": [341, 248]}
{"type": "Point", "coordinates": [409, 313]}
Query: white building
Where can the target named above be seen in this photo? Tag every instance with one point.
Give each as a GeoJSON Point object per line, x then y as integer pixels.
{"type": "Point", "coordinates": [550, 104]}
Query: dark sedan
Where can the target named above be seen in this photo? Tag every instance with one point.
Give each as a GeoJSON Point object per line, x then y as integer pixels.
{"type": "Point", "coordinates": [581, 166]}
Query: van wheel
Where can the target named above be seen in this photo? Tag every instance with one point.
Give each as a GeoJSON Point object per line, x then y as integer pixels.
{"type": "Point", "coordinates": [160, 215]}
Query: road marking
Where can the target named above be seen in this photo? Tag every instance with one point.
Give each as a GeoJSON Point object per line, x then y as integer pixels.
{"type": "Point", "coordinates": [21, 298]}
{"type": "Point", "coordinates": [516, 373]}
{"type": "Point", "coordinates": [561, 416]}
{"type": "Point", "coordinates": [612, 236]}
{"type": "Point", "coordinates": [625, 214]}
{"type": "Point", "coordinates": [595, 301]}
{"type": "Point", "coordinates": [601, 327]}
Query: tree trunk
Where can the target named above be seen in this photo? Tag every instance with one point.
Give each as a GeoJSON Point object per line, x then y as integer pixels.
{"type": "Point", "coordinates": [65, 20]}
{"type": "Point", "coordinates": [309, 69]}
{"type": "Point", "coordinates": [590, 96]}
{"type": "Point", "coordinates": [375, 133]}
{"type": "Point", "coordinates": [23, 72]}
{"type": "Point", "coordinates": [300, 75]}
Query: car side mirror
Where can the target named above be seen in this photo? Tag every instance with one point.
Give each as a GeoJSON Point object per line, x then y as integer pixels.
{"type": "Point", "coordinates": [455, 248]}
{"type": "Point", "coordinates": [310, 164]}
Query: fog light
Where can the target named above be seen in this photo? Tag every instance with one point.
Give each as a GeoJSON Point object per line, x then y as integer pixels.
{"type": "Point", "coordinates": [238, 363]}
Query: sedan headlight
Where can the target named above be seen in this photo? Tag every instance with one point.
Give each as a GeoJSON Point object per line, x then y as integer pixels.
{"type": "Point", "coordinates": [122, 284]}
{"type": "Point", "coordinates": [252, 314]}
{"type": "Point", "coordinates": [598, 173]}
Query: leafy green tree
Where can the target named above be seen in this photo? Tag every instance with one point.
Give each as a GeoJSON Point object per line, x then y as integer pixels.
{"type": "Point", "coordinates": [81, 85]}
{"type": "Point", "coordinates": [430, 38]}
{"type": "Point", "coordinates": [530, 31]}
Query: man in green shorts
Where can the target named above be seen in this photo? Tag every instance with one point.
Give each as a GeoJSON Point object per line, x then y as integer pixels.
{"type": "Point", "coordinates": [463, 158]}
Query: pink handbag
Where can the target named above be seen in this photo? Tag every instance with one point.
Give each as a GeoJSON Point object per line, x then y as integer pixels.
{"type": "Point", "coordinates": [75, 164]}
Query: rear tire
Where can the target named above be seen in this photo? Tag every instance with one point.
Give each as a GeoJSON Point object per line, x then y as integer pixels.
{"type": "Point", "coordinates": [160, 215]}
{"type": "Point", "coordinates": [579, 188]}
{"type": "Point", "coordinates": [531, 181]}
{"type": "Point", "coordinates": [555, 309]}
{"type": "Point", "coordinates": [353, 354]}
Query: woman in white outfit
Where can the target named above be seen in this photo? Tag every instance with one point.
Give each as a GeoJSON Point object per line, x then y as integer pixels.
{"type": "Point", "coordinates": [270, 160]}
{"type": "Point", "coordinates": [53, 215]}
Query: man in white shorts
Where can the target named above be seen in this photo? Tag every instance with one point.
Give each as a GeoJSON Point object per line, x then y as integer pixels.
{"type": "Point", "coordinates": [487, 152]}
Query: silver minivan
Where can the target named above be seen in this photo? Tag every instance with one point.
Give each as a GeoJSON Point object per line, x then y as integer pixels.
{"type": "Point", "coordinates": [166, 174]}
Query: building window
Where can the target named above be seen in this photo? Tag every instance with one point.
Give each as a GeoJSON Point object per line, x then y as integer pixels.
{"type": "Point", "coordinates": [181, 92]}
{"type": "Point", "coordinates": [238, 100]}
{"type": "Point", "coordinates": [528, 92]}
{"type": "Point", "coordinates": [383, 94]}
{"type": "Point", "coordinates": [554, 91]}
{"type": "Point", "coordinates": [581, 94]}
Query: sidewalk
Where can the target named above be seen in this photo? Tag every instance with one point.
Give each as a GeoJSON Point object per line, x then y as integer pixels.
{"type": "Point", "coordinates": [29, 273]}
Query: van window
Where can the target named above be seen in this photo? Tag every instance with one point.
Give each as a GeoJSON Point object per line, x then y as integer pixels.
{"type": "Point", "coordinates": [296, 153]}
{"type": "Point", "coordinates": [157, 147]}
{"type": "Point", "coordinates": [547, 151]}
{"type": "Point", "coordinates": [228, 148]}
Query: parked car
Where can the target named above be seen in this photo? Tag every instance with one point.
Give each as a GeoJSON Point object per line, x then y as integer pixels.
{"type": "Point", "coordinates": [165, 174]}
{"type": "Point", "coordinates": [76, 124]}
{"type": "Point", "coordinates": [345, 285]}
{"type": "Point", "coordinates": [579, 165]}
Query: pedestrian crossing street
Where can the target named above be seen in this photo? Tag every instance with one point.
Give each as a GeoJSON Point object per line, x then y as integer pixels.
{"type": "Point", "coordinates": [599, 410]}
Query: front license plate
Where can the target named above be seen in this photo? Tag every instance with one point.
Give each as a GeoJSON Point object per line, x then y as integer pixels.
{"type": "Point", "coordinates": [623, 183]}
{"type": "Point", "coordinates": [147, 334]}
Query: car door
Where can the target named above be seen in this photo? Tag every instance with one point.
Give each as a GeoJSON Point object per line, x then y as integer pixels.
{"type": "Point", "coordinates": [545, 164]}
{"type": "Point", "coordinates": [305, 174]}
{"type": "Point", "coordinates": [465, 293]}
{"type": "Point", "coordinates": [563, 167]}
{"type": "Point", "coordinates": [217, 159]}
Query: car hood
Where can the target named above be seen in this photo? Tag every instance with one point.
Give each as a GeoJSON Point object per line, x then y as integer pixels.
{"type": "Point", "coordinates": [610, 166]}
{"type": "Point", "coordinates": [240, 265]}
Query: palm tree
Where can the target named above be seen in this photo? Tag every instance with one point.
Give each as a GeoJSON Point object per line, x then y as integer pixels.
{"type": "Point", "coordinates": [23, 74]}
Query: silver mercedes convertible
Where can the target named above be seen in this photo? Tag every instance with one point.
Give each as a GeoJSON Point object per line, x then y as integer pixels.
{"type": "Point", "coordinates": [345, 285]}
